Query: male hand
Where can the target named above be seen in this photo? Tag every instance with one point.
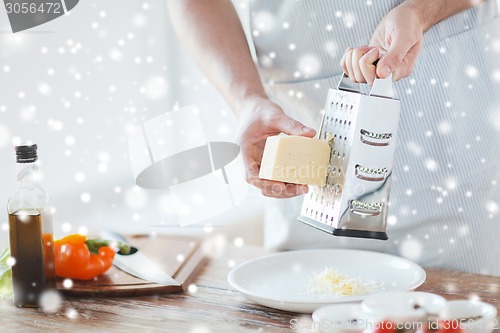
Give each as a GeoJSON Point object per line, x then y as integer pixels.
{"type": "Point", "coordinates": [397, 41]}
{"type": "Point", "coordinates": [260, 119]}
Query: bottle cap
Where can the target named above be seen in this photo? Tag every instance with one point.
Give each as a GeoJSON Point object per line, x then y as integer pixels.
{"type": "Point", "coordinates": [26, 153]}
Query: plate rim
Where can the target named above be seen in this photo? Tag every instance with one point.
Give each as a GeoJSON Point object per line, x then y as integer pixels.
{"type": "Point", "coordinates": [239, 288]}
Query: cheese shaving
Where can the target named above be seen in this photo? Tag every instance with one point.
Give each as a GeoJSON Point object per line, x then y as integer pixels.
{"type": "Point", "coordinates": [331, 283]}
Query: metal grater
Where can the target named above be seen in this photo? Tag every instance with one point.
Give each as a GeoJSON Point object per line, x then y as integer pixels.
{"type": "Point", "coordinates": [361, 130]}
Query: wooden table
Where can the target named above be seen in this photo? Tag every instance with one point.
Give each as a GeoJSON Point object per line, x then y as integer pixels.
{"type": "Point", "coordinates": [214, 307]}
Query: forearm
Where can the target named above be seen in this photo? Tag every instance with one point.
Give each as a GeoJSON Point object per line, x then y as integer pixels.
{"type": "Point", "coordinates": [212, 33]}
{"type": "Point", "coordinates": [432, 12]}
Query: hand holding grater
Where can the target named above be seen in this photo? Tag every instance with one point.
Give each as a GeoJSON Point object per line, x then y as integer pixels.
{"type": "Point", "coordinates": [361, 130]}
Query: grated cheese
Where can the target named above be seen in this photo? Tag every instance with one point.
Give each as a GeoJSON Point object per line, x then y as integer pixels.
{"type": "Point", "coordinates": [331, 283]}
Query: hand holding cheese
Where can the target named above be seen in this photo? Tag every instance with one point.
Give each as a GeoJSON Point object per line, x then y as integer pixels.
{"type": "Point", "coordinates": [295, 159]}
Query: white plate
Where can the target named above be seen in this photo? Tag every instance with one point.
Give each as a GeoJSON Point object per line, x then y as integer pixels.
{"type": "Point", "coordinates": [279, 280]}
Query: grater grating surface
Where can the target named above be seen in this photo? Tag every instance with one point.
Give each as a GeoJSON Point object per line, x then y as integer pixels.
{"type": "Point", "coordinates": [361, 130]}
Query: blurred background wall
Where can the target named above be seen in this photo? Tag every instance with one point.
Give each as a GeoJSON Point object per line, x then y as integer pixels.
{"type": "Point", "coordinates": [77, 86]}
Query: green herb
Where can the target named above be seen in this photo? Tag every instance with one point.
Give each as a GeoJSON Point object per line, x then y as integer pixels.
{"type": "Point", "coordinates": [5, 274]}
{"type": "Point", "coordinates": [95, 244]}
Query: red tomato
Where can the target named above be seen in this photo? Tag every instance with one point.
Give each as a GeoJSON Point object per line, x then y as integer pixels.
{"type": "Point", "coordinates": [450, 326]}
{"type": "Point", "coordinates": [385, 327]}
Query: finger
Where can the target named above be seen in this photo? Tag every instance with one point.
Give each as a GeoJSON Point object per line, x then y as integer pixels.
{"type": "Point", "coordinates": [343, 64]}
{"type": "Point", "coordinates": [394, 56]}
{"type": "Point", "coordinates": [368, 69]}
{"type": "Point", "coordinates": [405, 68]}
{"type": "Point", "coordinates": [357, 54]}
{"type": "Point", "coordinates": [291, 126]}
{"type": "Point", "coordinates": [290, 190]}
{"type": "Point", "coordinates": [348, 63]}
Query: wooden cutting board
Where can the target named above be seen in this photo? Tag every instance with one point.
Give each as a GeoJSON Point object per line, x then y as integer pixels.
{"type": "Point", "coordinates": [180, 256]}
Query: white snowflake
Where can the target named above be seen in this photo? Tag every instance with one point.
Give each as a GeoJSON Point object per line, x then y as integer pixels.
{"type": "Point", "coordinates": [80, 177]}
{"type": "Point", "coordinates": [69, 140]}
{"type": "Point", "coordinates": [331, 48]}
{"type": "Point", "coordinates": [55, 125]}
{"type": "Point", "coordinates": [136, 197]}
{"type": "Point", "coordinates": [496, 75]}
{"type": "Point", "coordinates": [11, 261]}
{"type": "Point", "coordinates": [192, 288]}
{"type": "Point", "coordinates": [464, 230]}
{"type": "Point", "coordinates": [266, 61]}
{"type": "Point", "coordinates": [495, 118]}
{"type": "Point", "coordinates": [444, 127]}
{"type": "Point", "coordinates": [83, 230]}
{"type": "Point", "coordinates": [115, 54]}
{"type": "Point", "coordinates": [411, 249]}
{"type": "Point", "coordinates": [495, 45]}
{"type": "Point", "coordinates": [238, 242]}
{"type": "Point", "coordinates": [349, 20]}
{"type": "Point", "coordinates": [50, 301]}
{"type": "Point", "coordinates": [414, 148]}
{"type": "Point", "coordinates": [85, 197]}
{"type": "Point", "coordinates": [309, 64]}
{"type": "Point", "coordinates": [431, 165]}
{"type": "Point", "coordinates": [492, 207]}
{"type": "Point", "coordinates": [71, 313]}
{"type": "Point", "coordinates": [28, 113]}
{"type": "Point", "coordinates": [263, 21]}
{"type": "Point", "coordinates": [16, 141]}
{"type": "Point", "coordinates": [4, 135]}
{"type": "Point", "coordinates": [139, 20]}
{"type": "Point", "coordinates": [66, 227]}
{"type": "Point", "coordinates": [155, 87]}
{"type": "Point", "coordinates": [471, 72]}
{"type": "Point", "coordinates": [67, 283]}
{"type": "Point", "coordinates": [451, 183]}
{"type": "Point", "coordinates": [102, 167]}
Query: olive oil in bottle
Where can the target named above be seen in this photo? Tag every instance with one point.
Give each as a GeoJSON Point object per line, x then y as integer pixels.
{"type": "Point", "coordinates": [30, 233]}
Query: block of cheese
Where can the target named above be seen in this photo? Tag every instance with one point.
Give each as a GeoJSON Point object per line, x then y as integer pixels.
{"type": "Point", "coordinates": [295, 159]}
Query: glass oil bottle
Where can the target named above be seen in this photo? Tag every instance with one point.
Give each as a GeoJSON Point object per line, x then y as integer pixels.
{"type": "Point", "coordinates": [30, 233]}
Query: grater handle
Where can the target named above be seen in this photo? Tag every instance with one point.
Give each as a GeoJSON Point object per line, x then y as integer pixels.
{"type": "Point", "coordinates": [383, 87]}
{"type": "Point", "coordinates": [380, 88]}
{"type": "Point", "coordinates": [347, 84]}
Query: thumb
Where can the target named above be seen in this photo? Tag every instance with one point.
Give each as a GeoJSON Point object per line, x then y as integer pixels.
{"type": "Point", "coordinates": [291, 126]}
{"type": "Point", "coordinates": [394, 56]}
